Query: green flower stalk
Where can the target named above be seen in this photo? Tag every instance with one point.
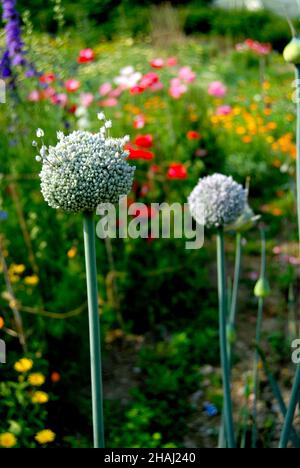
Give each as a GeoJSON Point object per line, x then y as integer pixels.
{"type": "Point", "coordinates": [228, 413]}
{"type": "Point", "coordinates": [82, 171]}
{"type": "Point", "coordinates": [261, 291]}
{"type": "Point", "coordinates": [292, 55]}
{"type": "Point", "coordinates": [222, 201]}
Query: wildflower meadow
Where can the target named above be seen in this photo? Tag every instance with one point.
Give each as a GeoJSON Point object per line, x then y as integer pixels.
{"type": "Point", "coordinates": [149, 227]}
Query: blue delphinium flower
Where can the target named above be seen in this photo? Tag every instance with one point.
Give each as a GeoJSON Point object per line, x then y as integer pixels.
{"type": "Point", "coordinates": [12, 29]}
{"type": "Point", "coordinates": [3, 215]}
{"type": "Point", "coordinates": [210, 409]}
{"type": "Point", "coordinates": [14, 54]}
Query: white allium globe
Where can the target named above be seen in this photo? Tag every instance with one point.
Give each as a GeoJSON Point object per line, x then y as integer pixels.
{"type": "Point", "coordinates": [84, 170]}
{"type": "Point", "coordinates": [219, 200]}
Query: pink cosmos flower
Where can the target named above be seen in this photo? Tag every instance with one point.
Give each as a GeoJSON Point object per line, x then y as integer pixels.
{"type": "Point", "coordinates": [34, 96]}
{"type": "Point", "coordinates": [172, 62]}
{"type": "Point", "coordinates": [157, 86]}
{"type": "Point", "coordinates": [157, 63]}
{"type": "Point", "coordinates": [224, 110]}
{"type": "Point", "coordinates": [139, 122]}
{"type": "Point", "coordinates": [60, 99]}
{"type": "Point", "coordinates": [217, 89]}
{"type": "Point", "coordinates": [105, 89]}
{"type": "Point", "coordinates": [115, 93]}
{"type": "Point", "coordinates": [86, 99]}
{"type": "Point", "coordinates": [177, 88]}
{"type": "Point", "coordinates": [72, 85]}
{"type": "Point", "coordinates": [187, 75]}
{"type": "Point", "coordinates": [86, 55]}
{"type": "Point", "coordinates": [110, 102]}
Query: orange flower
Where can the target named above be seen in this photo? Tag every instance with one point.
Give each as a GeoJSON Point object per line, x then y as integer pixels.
{"type": "Point", "coordinates": [55, 377]}
{"type": "Point", "coordinates": [247, 139]}
{"type": "Point", "coordinates": [1, 322]}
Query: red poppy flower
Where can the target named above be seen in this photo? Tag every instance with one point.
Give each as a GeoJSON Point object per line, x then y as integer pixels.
{"type": "Point", "coordinates": [135, 153]}
{"type": "Point", "coordinates": [47, 78]}
{"type": "Point", "coordinates": [177, 171]}
{"type": "Point", "coordinates": [149, 80]}
{"type": "Point", "coordinates": [145, 141]}
{"type": "Point", "coordinates": [137, 90]}
{"type": "Point", "coordinates": [86, 55]}
{"type": "Point", "coordinates": [193, 135]}
{"type": "Point", "coordinates": [72, 85]}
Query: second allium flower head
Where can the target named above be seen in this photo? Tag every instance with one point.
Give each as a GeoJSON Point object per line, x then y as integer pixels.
{"type": "Point", "coordinates": [219, 199]}
{"type": "Point", "coordinates": [84, 170]}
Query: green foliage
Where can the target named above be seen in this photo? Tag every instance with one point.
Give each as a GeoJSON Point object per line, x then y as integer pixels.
{"type": "Point", "coordinates": [239, 24]}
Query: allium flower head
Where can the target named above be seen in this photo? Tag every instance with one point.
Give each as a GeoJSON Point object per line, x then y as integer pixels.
{"type": "Point", "coordinates": [84, 170]}
{"type": "Point", "coordinates": [220, 199]}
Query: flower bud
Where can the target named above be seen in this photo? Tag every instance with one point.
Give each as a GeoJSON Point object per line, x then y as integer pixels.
{"type": "Point", "coordinates": [262, 288]}
{"type": "Point", "coordinates": [291, 53]}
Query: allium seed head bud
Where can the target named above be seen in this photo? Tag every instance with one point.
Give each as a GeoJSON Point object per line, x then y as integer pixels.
{"type": "Point", "coordinates": [291, 53]}
{"type": "Point", "coordinates": [84, 170]}
{"type": "Point", "coordinates": [220, 199]}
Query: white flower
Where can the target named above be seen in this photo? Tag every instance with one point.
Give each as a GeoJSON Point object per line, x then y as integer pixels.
{"type": "Point", "coordinates": [38, 158]}
{"type": "Point", "coordinates": [80, 111]}
{"type": "Point", "coordinates": [127, 71]}
{"type": "Point", "coordinates": [101, 116]}
{"type": "Point", "coordinates": [108, 124]}
{"type": "Point", "coordinates": [40, 133]}
{"type": "Point", "coordinates": [34, 144]}
{"type": "Point", "coordinates": [60, 135]}
{"type": "Point", "coordinates": [220, 199]}
{"type": "Point", "coordinates": [83, 170]}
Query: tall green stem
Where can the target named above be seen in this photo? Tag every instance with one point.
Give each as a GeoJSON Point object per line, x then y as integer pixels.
{"type": "Point", "coordinates": [232, 319]}
{"type": "Point", "coordinates": [285, 436]}
{"type": "Point", "coordinates": [258, 338]}
{"type": "Point", "coordinates": [298, 146]}
{"type": "Point", "coordinates": [278, 395]}
{"type": "Point", "coordinates": [235, 289]}
{"type": "Point", "coordinates": [287, 428]}
{"type": "Point", "coordinates": [256, 372]}
{"type": "Point", "coordinates": [228, 416]}
{"type": "Point", "coordinates": [94, 326]}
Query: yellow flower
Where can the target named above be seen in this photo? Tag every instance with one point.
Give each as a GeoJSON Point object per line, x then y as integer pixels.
{"type": "Point", "coordinates": [7, 440]}
{"type": "Point", "coordinates": [240, 130]}
{"type": "Point", "coordinates": [45, 436]}
{"type": "Point", "coordinates": [31, 280]}
{"type": "Point", "coordinates": [36, 380]}
{"type": "Point", "coordinates": [23, 365]}
{"type": "Point", "coordinates": [40, 397]}
{"type": "Point", "coordinates": [72, 252]}
{"type": "Point", "coordinates": [18, 269]}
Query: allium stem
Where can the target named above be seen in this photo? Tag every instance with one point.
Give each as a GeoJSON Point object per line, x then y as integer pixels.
{"type": "Point", "coordinates": [228, 416]}
{"type": "Point", "coordinates": [298, 145]}
{"type": "Point", "coordinates": [237, 271]}
{"type": "Point", "coordinates": [286, 432]}
{"type": "Point", "coordinates": [258, 339]}
{"type": "Point", "coordinates": [94, 326]}
{"type": "Point", "coordinates": [278, 395]}
{"type": "Point", "coordinates": [232, 318]}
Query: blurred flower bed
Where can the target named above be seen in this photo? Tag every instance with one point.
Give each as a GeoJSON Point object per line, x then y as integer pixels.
{"type": "Point", "coordinates": [191, 111]}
